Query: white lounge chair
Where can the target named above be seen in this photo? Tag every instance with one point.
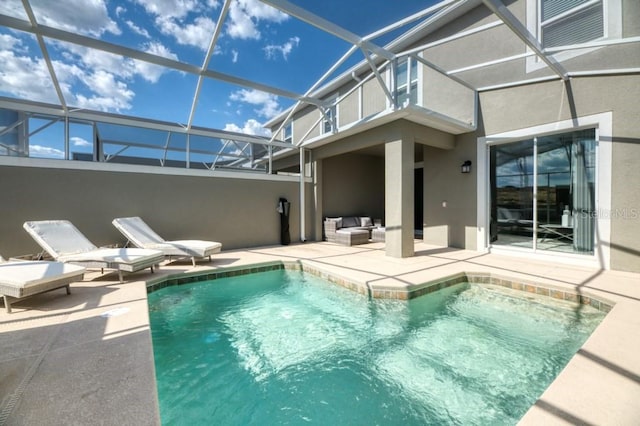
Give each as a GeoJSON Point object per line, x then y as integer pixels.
{"type": "Point", "coordinates": [66, 244]}
{"type": "Point", "coordinates": [141, 235]}
{"type": "Point", "coordinates": [20, 279]}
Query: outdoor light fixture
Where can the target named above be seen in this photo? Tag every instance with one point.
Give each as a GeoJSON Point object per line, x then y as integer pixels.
{"type": "Point", "coordinates": [466, 167]}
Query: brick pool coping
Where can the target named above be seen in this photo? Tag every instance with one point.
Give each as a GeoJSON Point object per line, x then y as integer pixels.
{"type": "Point", "coordinates": [408, 292]}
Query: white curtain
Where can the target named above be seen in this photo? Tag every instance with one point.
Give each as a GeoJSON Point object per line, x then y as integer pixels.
{"type": "Point", "coordinates": [583, 191]}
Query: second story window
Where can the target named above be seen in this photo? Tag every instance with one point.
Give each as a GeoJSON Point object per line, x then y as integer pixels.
{"type": "Point", "coordinates": [566, 22]}
{"type": "Point", "coordinates": [407, 81]}
{"type": "Point", "coordinates": [288, 132]}
{"type": "Point", "coordinates": [330, 118]}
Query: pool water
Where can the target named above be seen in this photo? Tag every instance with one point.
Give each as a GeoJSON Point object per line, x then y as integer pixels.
{"type": "Point", "coordinates": [282, 347]}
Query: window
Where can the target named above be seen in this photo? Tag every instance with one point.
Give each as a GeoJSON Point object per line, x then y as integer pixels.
{"type": "Point", "coordinates": [558, 23]}
{"type": "Point", "coordinates": [566, 22]}
{"type": "Point", "coordinates": [288, 132]}
{"type": "Point", "coordinates": [330, 117]}
{"type": "Point", "coordinates": [407, 81]}
{"type": "Point", "coordinates": [543, 193]}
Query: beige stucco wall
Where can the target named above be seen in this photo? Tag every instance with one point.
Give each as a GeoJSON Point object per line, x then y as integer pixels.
{"type": "Point", "coordinates": [630, 18]}
{"type": "Point", "coordinates": [373, 98]}
{"type": "Point", "coordinates": [448, 97]}
{"type": "Point", "coordinates": [532, 105]}
{"type": "Point", "coordinates": [235, 212]}
{"type": "Point", "coordinates": [303, 122]}
{"type": "Point", "coordinates": [349, 108]}
{"type": "Point", "coordinates": [353, 184]}
{"type": "Point", "coordinates": [450, 196]}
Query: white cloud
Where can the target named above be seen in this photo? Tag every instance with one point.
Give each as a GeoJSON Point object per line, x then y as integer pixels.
{"type": "Point", "coordinates": [244, 16]}
{"type": "Point", "coordinates": [267, 102]}
{"type": "Point", "coordinates": [13, 8]}
{"type": "Point", "coordinates": [23, 76]}
{"type": "Point", "coordinates": [124, 68]}
{"type": "Point", "coordinates": [172, 18]}
{"type": "Point", "coordinates": [8, 42]}
{"type": "Point", "coordinates": [109, 93]}
{"type": "Point", "coordinates": [45, 152]}
{"type": "Point", "coordinates": [196, 34]}
{"type": "Point", "coordinates": [29, 78]}
{"type": "Point", "coordinates": [234, 56]}
{"type": "Point", "coordinates": [250, 127]}
{"type": "Point", "coordinates": [151, 72]}
{"type": "Point", "coordinates": [120, 10]}
{"type": "Point", "coordinates": [136, 29]}
{"type": "Point", "coordinates": [172, 9]}
{"type": "Point", "coordinates": [78, 16]}
{"type": "Point", "coordinates": [78, 141]}
{"type": "Point", "coordinates": [93, 59]}
{"type": "Point", "coordinates": [285, 49]}
{"type": "Point", "coordinates": [88, 78]}
{"type": "Point", "coordinates": [240, 24]}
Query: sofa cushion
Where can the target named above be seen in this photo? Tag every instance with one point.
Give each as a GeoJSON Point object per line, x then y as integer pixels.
{"type": "Point", "coordinates": [350, 222]}
{"type": "Point", "coordinates": [365, 221]}
{"type": "Point", "coordinates": [337, 220]}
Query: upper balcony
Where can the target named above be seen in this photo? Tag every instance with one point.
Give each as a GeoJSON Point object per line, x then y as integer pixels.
{"type": "Point", "coordinates": [407, 87]}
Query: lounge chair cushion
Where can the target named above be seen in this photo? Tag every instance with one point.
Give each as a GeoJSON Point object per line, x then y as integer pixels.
{"type": "Point", "coordinates": [195, 248]}
{"type": "Point", "coordinates": [20, 278]}
{"type": "Point", "coordinates": [137, 231]}
{"type": "Point", "coordinates": [126, 259]}
{"type": "Point", "coordinates": [64, 242]}
{"type": "Point", "coordinates": [59, 237]}
{"type": "Point", "coordinates": [140, 234]}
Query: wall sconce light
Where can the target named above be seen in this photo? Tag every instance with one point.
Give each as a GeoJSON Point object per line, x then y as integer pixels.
{"type": "Point", "coordinates": [466, 167]}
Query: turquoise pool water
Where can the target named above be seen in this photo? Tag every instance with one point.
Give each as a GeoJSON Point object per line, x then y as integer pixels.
{"type": "Point", "coordinates": [282, 347]}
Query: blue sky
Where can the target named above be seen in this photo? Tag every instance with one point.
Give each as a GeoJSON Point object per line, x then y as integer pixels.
{"type": "Point", "coordinates": [257, 43]}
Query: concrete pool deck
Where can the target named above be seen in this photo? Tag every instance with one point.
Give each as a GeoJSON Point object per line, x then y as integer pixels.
{"type": "Point", "coordinates": [87, 358]}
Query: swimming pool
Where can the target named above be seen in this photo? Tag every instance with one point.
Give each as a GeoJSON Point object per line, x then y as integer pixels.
{"type": "Point", "coordinates": [282, 347]}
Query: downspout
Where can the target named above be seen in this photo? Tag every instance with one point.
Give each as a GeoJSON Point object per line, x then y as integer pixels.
{"type": "Point", "coordinates": [303, 209]}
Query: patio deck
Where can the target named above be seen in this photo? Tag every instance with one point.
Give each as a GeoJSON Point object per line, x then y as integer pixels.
{"type": "Point", "coordinates": [87, 358]}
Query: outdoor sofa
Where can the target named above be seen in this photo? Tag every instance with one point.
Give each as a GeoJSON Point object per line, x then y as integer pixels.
{"type": "Point", "coordinates": [348, 230]}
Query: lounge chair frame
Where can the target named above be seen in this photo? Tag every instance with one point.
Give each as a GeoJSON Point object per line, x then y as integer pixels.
{"type": "Point", "coordinates": [12, 291]}
{"type": "Point", "coordinates": [90, 256]}
{"type": "Point", "coordinates": [139, 234]}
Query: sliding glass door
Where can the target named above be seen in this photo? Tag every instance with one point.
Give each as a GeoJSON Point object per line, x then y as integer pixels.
{"type": "Point", "coordinates": [543, 193]}
{"type": "Point", "coordinates": [512, 178]}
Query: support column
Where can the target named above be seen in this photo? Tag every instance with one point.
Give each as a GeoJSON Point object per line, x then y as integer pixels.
{"type": "Point", "coordinates": [317, 199]}
{"type": "Point", "coordinates": [399, 197]}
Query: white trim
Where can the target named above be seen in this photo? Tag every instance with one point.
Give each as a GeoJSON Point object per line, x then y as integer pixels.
{"type": "Point", "coordinates": [489, 63]}
{"type": "Point", "coordinates": [303, 210]}
{"type": "Point", "coordinates": [592, 73]}
{"type": "Point", "coordinates": [590, 44]}
{"type": "Point", "coordinates": [420, 76]}
{"type": "Point", "coordinates": [482, 190]}
{"type": "Point", "coordinates": [360, 102]}
{"type": "Point", "coordinates": [46, 163]}
{"type": "Point", "coordinates": [518, 83]}
{"type": "Point", "coordinates": [618, 71]}
{"type": "Point", "coordinates": [603, 123]}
